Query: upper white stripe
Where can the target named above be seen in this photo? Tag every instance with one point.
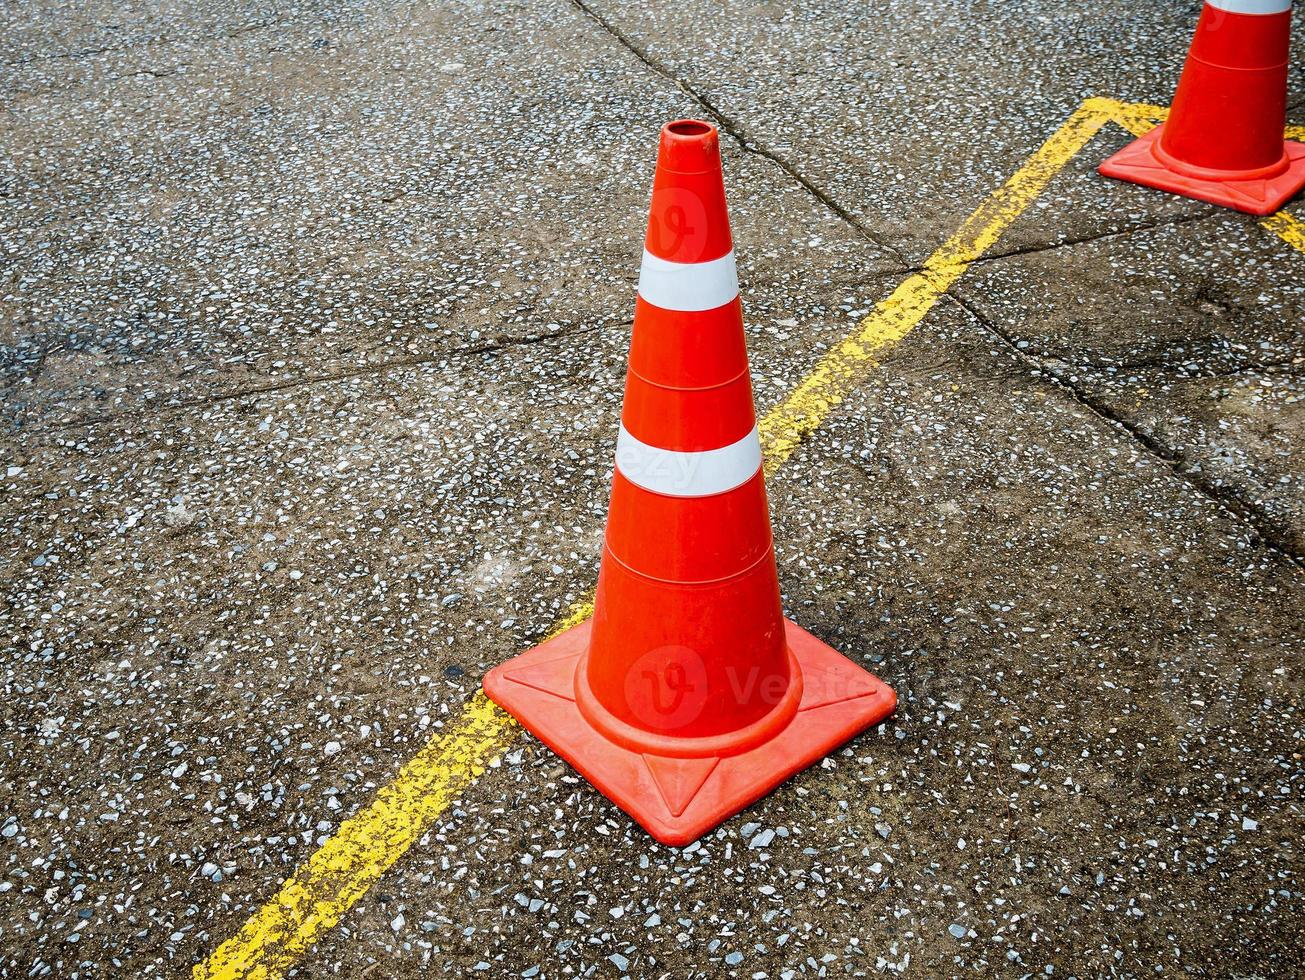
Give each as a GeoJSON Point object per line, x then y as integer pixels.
{"type": "Point", "coordinates": [1251, 6]}
{"type": "Point", "coordinates": [678, 474]}
{"type": "Point", "coordinates": [688, 285]}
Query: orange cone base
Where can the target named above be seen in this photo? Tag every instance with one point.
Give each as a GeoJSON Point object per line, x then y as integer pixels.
{"type": "Point", "coordinates": [677, 800]}
{"type": "Point", "coordinates": [1137, 164]}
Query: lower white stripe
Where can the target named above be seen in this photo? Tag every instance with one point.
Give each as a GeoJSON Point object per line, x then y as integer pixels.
{"type": "Point", "coordinates": [1251, 6]}
{"type": "Point", "coordinates": [688, 285]}
{"type": "Point", "coordinates": [688, 474]}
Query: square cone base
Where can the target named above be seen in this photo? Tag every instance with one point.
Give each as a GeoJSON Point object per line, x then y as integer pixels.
{"type": "Point", "coordinates": [677, 800]}
{"type": "Point", "coordinates": [1138, 165]}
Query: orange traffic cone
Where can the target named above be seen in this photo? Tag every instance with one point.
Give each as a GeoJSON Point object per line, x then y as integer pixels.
{"type": "Point", "coordinates": [688, 695]}
{"type": "Point", "coordinates": [1223, 140]}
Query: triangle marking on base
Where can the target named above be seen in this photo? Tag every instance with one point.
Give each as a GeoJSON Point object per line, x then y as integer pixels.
{"type": "Point", "coordinates": [822, 686]}
{"type": "Point", "coordinates": [678, 780]}
{"type": "Point", "coordinates": [1255, 191]}
{"type": "Point", "coordinates": [555, 677]}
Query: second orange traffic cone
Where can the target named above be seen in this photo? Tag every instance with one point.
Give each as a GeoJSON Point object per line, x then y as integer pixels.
{"type": "Point", "coordinates": [1223, 142]}
{"type": "Point", "coordinates": [688, 695]}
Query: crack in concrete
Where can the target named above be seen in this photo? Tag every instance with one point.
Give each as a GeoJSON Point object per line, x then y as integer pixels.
{"type": "Point", "coordinates": [380, 367]}
{"type": "Point", "coordinates": [1040, 247]}
{"type": "Point", "coordinates": [732, 128]}
{"type": "Point", "coordinates": [1178, 221]}
{"type": "Point", "coordinates": [1263, 527]}
{"type": "Point", "coordinates": [1264, 367]}
{"type": "Point", "coordinates": [155, 72]}
{"type": "Point", "coordinates": [1164, 362]}
{"type": "Point", "coordinates": [249, 28]}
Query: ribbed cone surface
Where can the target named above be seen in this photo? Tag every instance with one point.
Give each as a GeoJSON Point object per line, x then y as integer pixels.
{"type": "Point", "coordinates": [688, 636]}
{"type": "Point", "coordinates": [1230, 106]}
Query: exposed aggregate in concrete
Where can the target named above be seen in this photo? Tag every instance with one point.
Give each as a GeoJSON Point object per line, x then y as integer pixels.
{"type": "Point", "coordinates": [313, 324]}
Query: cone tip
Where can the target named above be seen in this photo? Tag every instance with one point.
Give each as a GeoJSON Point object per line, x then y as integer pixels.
{"type": "Point", "coordinates": [689, 146]}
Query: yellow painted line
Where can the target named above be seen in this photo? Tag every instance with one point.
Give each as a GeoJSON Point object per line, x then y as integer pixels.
{"type": "Point", "coordinates": [312, 900]}
{"type": "Point", "coordinates": [803, 411]}
{"type": "Point", "coordinates": [319, 893]}
{"type": "Point", "coordinates": [1138, 118]}
{"type": "Point", "coordinates": [1287, 227]}
{"type": "Point", "coordinates": [576, 615]}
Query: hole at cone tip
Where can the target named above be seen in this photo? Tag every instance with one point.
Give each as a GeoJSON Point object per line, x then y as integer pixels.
{"type": "Point", "coordinates": [689, 127]}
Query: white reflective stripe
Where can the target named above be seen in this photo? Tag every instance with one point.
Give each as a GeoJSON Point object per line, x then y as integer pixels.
{"type": "Point", "coordinates": [688, 285]}
{"type": "Point", "coordinates": [1251, 6]}
{"type": "Point", "coordinates": [688, 474]}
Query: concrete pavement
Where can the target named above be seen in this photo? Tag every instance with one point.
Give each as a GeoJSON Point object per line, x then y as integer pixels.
{"type": "Point", "coordinates": [313, 326]}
